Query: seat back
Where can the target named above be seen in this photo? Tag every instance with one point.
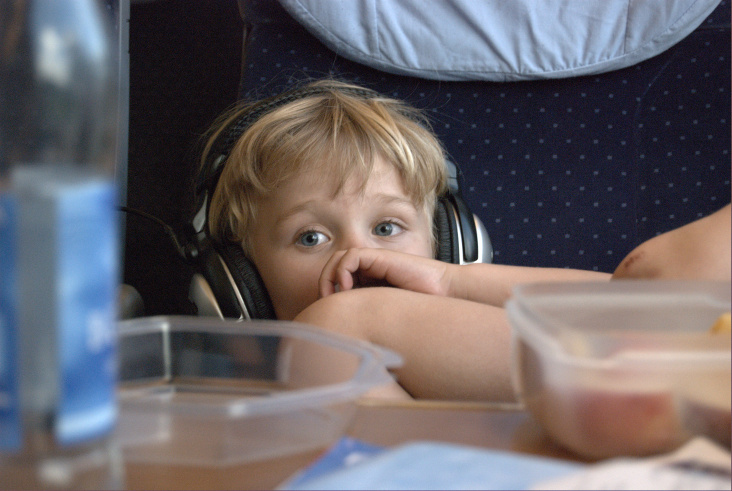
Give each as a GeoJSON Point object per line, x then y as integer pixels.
{"type": "Point", "coordinates": [568, 172]}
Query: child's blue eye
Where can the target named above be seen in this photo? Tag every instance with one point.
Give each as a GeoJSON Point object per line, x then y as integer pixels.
{"type": "Point", "coordinates": [386, 229]}
{"type": "Point", "coordinates": [311, 239]}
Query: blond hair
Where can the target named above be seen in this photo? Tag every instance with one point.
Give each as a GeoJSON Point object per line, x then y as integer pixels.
{"type": "Point", "coordinates": [335, 128]}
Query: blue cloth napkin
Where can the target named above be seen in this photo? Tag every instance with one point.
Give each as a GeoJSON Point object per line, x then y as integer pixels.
{"type": "Point", "coordinates": [352, 464]}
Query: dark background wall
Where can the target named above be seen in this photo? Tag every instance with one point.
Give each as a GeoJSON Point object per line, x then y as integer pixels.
{"type": "Point", "coordinates": [185, 64]}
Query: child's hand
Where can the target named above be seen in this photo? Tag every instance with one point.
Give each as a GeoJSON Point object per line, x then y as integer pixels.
{"type": "Point", "coordinates": [356, 268]}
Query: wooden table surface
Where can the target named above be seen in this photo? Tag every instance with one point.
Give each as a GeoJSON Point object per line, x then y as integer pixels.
{"type": "Point", "coordinates": [385, 423]}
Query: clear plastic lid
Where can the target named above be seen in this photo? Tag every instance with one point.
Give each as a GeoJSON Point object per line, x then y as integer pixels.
{"type": "Point", "coordinates": [622, 318]}
{"type": "Point", "coordinates": [236, 369]}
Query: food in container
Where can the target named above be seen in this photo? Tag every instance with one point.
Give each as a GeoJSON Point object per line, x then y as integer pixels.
{"type": "Point", "coordinates": [627, 367]}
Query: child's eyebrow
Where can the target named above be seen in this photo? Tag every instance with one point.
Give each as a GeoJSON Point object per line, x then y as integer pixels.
{"type": "Point", "coordinates": [392, 200]}
{"type": "Point", "coordinates": [298, 208]}
{"type": "Point", "coordinates": [378, 199]}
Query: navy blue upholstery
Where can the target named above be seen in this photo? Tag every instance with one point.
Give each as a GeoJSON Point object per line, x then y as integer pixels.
{"type": "Point", "coordinates": [566, 173]}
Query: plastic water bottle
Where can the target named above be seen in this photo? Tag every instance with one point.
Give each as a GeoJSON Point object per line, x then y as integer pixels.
{"type": "Point", "coordinates": [59, 260]}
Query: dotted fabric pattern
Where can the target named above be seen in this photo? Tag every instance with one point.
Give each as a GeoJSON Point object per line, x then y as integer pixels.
{"type": "Point", "coordinates": [564, 173]}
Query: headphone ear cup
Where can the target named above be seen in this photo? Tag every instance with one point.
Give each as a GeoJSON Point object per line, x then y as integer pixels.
{"type": "Point", "coordinates": [446, 232]}
{"type": "Point", "coordinates": [247, 280]}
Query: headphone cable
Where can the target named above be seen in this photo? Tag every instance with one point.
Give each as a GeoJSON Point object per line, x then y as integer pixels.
{"type": "Point", "coordinates": [182, 250]}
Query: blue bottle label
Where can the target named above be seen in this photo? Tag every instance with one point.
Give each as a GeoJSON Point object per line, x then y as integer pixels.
{"type": "Point", "coordinates": [88, 280]}
{"type": "Point", "coordinates": [10, 425]}
{"type": "Point", "coordinates": [59, 280]}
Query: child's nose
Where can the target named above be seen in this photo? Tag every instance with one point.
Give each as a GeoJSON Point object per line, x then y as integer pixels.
{"type": "Point", "coordinates": [354, 240]}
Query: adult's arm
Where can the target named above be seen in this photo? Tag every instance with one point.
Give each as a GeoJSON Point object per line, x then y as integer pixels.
{"type": "Point", "coordinates": [699, 250]}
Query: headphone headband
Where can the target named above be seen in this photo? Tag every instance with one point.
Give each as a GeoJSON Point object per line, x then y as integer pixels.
{"type": "Point", "coordinates": [209, 175]}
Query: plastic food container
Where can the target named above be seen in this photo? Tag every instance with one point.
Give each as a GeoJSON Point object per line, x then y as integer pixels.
{"type": "Point", "coordinates": [623, 367]}
{"type": "Point", "coordinates": [205, 391]}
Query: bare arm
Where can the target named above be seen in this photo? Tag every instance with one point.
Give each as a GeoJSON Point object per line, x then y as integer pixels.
{"type": "Point", "coordinates": [452, 348]}
{"type": "Point", "coordinates": [699, 250]}
{"type": "Point", "coordinates": [490, 284]}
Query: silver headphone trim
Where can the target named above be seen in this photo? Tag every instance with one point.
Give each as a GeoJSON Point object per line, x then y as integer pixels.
{"type": "Point", "coordinates": [202, 296]}
{"type": "Point", "coordinates": [199, 220]}
{"type": "Point", "coordinates": [485, 249]}
{"type": "Point", "coordinates": [242, 306]}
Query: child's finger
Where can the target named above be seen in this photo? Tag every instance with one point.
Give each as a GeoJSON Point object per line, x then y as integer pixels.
{"type": "Point", "coordinates": [329, 283]}
{"type": "Point", "coordinates": [341, 269]}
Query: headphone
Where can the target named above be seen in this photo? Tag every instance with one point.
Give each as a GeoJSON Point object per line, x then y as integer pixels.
{"type": "Point", "coordinates": [226, 283]}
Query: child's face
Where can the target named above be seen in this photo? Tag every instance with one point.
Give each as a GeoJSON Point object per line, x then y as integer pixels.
{"type": "Point", "coordinates": [301, 225]}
